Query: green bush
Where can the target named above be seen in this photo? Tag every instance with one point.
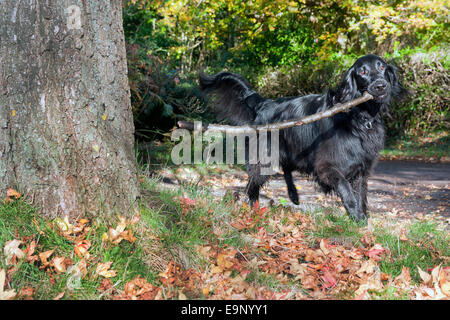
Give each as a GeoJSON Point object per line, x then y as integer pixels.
{"type": "Point", "coordinates": [283, 48]}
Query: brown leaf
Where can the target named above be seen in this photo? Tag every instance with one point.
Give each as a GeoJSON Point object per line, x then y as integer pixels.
{"type": "Point", "coordinates": [58, 264]}
{"type": "Point", "coordinates": [104, 271]}
{"type": "Point", "coordinates": [43, 256]}
{"type": "Point", "coordinates": [375, 251]}
{"type": "Point", "coordinates": [324, 245]}
{"type": "Point", "coordinates": [138, 289]}
{"type": "Point", "coordinates": [5, 294]}
{"type": "Point", "coordinates": [26, 293]}
{"type": "Point", "coordinates": [10, 194]}
{"type": "Point", "coordinates": [328, 279]}
{"type": "Point", "coordinates": [105, 284]}
{"type": "Point", "coordinates": [81, 248]}
{"type": "Point", "coordinates": [30, 250]}
{"type": "Point", "coordinates": [404, 278]}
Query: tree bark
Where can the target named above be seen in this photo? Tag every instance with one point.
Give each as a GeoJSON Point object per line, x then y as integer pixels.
{"type": "Point", "coordinates": [66, 126]}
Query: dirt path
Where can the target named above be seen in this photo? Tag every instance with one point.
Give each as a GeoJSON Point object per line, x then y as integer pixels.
{"type": "Point", "coordinates": [397, 189]}
{"type": "Point", "coordinates": [411, 188]}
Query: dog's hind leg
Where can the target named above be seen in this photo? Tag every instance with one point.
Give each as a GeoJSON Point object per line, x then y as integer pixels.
{"type": "Point", "coordinates": [292, 190]}
{"type": "Point", "coordinates": [255, 182]}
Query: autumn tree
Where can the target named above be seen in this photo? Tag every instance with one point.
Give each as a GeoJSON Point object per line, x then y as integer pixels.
{"type": "Point", "coordinates": [66, 127]}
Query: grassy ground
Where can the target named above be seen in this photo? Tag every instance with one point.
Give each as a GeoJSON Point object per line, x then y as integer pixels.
{"type": "Point", "coordinates": [434, 147]}
{"type": "Point", "coordinates": [185, 243]}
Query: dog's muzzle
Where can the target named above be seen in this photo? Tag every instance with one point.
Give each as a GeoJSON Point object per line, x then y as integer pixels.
{"type": "Point", "coordinates": [379, 89]}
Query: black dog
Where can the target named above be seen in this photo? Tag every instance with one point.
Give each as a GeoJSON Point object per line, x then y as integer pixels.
{"type": "Point", "coordinates": [339, 151]}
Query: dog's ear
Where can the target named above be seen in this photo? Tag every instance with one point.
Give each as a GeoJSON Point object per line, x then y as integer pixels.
{"type": "Point", "coordinates": [348, 89]}
{"type": "Point", "coordinates": [398, 91]}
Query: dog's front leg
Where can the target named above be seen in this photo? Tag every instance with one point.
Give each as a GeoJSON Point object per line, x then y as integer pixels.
{"type": "Point", "coordinates": [329, 175]}
{"type": "Point", "coordinates": [351, 203]}
{"type": "Point", "coordinates": [359, 184]}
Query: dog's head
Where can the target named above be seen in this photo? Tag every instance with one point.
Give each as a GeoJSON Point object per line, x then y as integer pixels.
{"type": "Point", "coordinates": [372, 74]}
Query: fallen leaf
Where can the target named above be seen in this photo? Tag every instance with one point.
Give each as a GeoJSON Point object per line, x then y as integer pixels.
{"type": "Point", "coordinates": [10, 194]}
{"type": "Point", "coordinates": [426, 278]}
{"type": "Point", "coordinates": [59, 296]}
{"type": "Point", "coordinates": [64, 225]}
{"type": "Point", "coordinates": [375, 251]}
{"type": "Point", "coordinates": [323, 246]}
{"type": "Point", "coordinates": [403, 280]}
{"type": "Point", "coordinates": [26, 293]}
{"type": "Point", "coordinates": [373, 282]}
{"type": "Point", "coordinates": [116, 235]}
{"type": "Point", "coordinates": [81, 248]}
{"type": "Point", "coordinates": [105, 284]}
{"type": "Point", "coordinates": [43, 256]}
{"type": "Point", "coordinates": [328, 279]}
{"type": "Point", "coordinates": [12, 251]}
{"type": "Point", "coordinates": [104, 271]}
{"type": "Point", "coordinates": [367, 267]}
{"type": "Point", "coordinates": [8, 294]}
{"type": "Point", "coordinates": [224, 259]}
{"type": "Point", "coordinates": [30, 250]}
{"type": "Point", "coordinates": [60, 264]}
{"type": "Point", "coordinates": [138, 289]}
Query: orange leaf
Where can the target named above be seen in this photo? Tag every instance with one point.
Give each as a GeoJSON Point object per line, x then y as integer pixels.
{"type": "Point", "coordinates": [43, 256]}
{"type": "Point", "coordinates": [11, 193]}
{"type": "Point", "coordinates": [81, 248]}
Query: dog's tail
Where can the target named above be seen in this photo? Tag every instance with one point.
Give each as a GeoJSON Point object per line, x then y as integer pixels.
{"type": "Point", "coordinates": [236, 100]}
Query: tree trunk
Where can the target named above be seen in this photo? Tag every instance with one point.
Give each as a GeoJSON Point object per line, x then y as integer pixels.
{"type": "Point", "coordinates": [66, 126]}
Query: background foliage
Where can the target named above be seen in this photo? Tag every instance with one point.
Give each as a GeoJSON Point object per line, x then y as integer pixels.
{"type": "Point", "coordinates": [284, 48]}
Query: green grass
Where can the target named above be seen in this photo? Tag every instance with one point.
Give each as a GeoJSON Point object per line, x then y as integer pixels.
{"type": "Point", "coordinates": [19, 220]}
{"type": "Point", "coordinates": [435, 146]}
{"type": "Point", "coordinates": [337, 227]}
{"type": "Point", "coordinates": [427, 246]}
{"type": "Point", "coordinates": [265, 279]}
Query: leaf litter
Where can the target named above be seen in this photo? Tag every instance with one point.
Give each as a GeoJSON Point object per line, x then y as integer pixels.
{"type": "Point", "coordinates": [278, 261]}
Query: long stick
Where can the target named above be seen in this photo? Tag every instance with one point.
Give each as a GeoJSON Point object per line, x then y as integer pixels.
{"type": "Point", "coordinates": [340, 107]}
